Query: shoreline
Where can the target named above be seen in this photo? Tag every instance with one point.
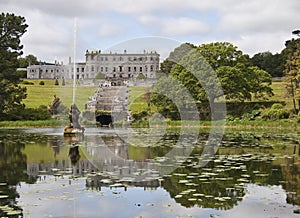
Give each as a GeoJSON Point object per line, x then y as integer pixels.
{"type": "Point", "coordinates": [250, 125]}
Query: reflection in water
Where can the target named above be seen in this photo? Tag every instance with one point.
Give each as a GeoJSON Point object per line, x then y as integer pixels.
{"type": "Point", "coordinates": [73, 142]}
{"type": "Point", "coordinates": [74, 154]}
{"type": "Point", "coordinates": [109, 161]}
{"type": "Point", "coordinates": [12, 171]}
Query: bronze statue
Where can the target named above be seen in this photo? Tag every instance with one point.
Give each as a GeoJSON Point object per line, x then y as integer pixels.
{"type": "Point", "coordinates": [74, 126]}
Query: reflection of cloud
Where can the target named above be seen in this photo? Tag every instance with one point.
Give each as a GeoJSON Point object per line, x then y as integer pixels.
{"type": "Point", "coordinates": [59, 199]}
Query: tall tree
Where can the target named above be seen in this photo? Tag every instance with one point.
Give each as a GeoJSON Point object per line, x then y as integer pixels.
{"type": "Point", "coordinates": [175, 57]}
{"type": "Point", "coordinates": [26, 61]}
{"type": "Point", "coordinates": [12, 27]}
{"type": "Point", "coordinates": [212, 70]}
{"type": "Point", "coordinates": [292, 76]}
{"type": "Point", "coordinates": [272, 63]}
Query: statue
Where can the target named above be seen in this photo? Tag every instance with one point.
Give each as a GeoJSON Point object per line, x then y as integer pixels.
{"type": "Point", "coordinates": [53, 108]}
{"type": "Point", "coordinates": [74, 126]}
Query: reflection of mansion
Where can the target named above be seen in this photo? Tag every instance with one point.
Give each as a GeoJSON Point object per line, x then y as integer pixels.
{"type": "Point", "coordinates": [122, 66]}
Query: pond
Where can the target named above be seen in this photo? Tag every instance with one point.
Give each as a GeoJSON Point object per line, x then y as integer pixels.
{"type": "Point", "coordinates": [126, 173]}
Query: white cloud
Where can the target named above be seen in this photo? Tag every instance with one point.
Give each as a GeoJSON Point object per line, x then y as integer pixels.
{"type": "Point", "coordinates": [183, 26]}
{"type": "Point", "coordinates": [254, 25]}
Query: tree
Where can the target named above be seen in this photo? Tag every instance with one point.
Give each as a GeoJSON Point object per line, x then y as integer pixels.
{"type": "Point", "coordinates": [296, 32]}
{"type": "Point", "coordinates": [213, 70]}
{"type": "Point", "coordinates": [219, 54]}
{"type": "Point", "coordinates": [27, 61]}
{"type": "Point", "coordinates": [292, 77]}
{"type": "Point", "coordinates": [272, 63]}
{"type": "Point", "coordinates": [11, 29]}
{"type": "Point", "coordinates": [292, 69]}
{"type": "Point", "coordinates": [175, 57]}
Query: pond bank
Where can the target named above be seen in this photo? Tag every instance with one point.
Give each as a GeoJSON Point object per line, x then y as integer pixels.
{"type": "Point", "coordinates": [237, 125]}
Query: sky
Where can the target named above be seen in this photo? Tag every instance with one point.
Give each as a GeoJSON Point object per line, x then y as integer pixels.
{"type": "Point", "coordinates": [62, 29]}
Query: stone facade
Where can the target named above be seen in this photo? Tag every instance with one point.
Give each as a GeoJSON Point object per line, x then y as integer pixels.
{"type": "Point", "coordinates": [46, 71]}
{"type": "Point", "coordinates": [115, 66]}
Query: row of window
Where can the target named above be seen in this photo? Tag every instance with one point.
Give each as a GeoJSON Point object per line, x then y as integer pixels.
{"type": "Point", "coordinates": [47, 70]}
{"type": "Point", "coordinates": [82, 76]}
{"type": "Point", "coordinates": [151, 68]}
{"type": "Point", "coordinates": [92, 57]}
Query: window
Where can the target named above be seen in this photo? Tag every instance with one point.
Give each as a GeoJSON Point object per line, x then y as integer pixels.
{"type": "Point", "coordinates": [101, 58]}
{"type": "Point", "coordinates": [141, 69]}
{"type": "Point", "coordinates": [93, 69]}
{"type": "Point", "coordinates": [82, 69]}
{"type": "Point", "coordinates": [106, 69]}
{"type": "Point", "coordinates": [114, 70]}
{"type": "Point", "coordinates": [129, 69]}
{"type": "Point", "coordinates": [151, 68]}
{"type": "Point", "coordinates": [106, 59]}
{"type": "Point", "coordinates": [146, 68]}
{"type": "Point", "coordinates": [120, 68]}
{"type": "Point", "coordinates": [134, 69]}
{"type": "Point", "coordinates": [101, 69]}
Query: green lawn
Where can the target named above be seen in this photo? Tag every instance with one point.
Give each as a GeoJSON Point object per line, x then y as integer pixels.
{"type": "Point", "coordinates": [43, 94]}
{"type": "Point", "coordinates": [137, 98]}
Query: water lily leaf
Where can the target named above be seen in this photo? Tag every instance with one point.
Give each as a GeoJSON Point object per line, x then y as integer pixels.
{"type": "Point", "coordinates": [183, 181]}
{"type": "Point", "coordinates": [15, 212]}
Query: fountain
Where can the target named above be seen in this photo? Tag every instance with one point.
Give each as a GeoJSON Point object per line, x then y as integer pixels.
{"type": "Point", "coordinates": [74, 127]}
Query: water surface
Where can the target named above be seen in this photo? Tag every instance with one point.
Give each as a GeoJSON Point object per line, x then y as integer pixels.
{"type": "Point", "coordinates": [115, 173]}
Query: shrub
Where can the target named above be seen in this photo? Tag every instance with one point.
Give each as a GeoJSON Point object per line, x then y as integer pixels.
{"type": "Point", "coordinates": [250, 115]}
{"type": "Point", "coordinates": [56, 82]}
{"type": "Point", "coordinates": [100, 76]}
{"type": "Point", "coordinates": [140, 115]}
{"type": "Point", "coordinates": [276, 112]}
{"type": "Point", "coordinates": [40, 113]}
{"type": "Point", "coordinates": [298, 118]}
{"type": "Point", "coordinates": [42, 83]}
{"type": "Point", "coordinates": [25, 82]}
{"type": "Point", "coordinates": [141, 76]}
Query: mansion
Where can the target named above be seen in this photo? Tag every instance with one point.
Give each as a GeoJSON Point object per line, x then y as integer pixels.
{"type": "Point", "coordinates": [118, 66]}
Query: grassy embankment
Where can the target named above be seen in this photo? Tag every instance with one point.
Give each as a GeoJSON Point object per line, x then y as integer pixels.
{"type": "Point", "coordinates": [43, 95]}
{"type": "Point", "coordinates": [138, 104]}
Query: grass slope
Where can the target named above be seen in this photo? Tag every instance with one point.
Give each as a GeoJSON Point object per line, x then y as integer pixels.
{"type": "Point", "coordinates": [43, 94]}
